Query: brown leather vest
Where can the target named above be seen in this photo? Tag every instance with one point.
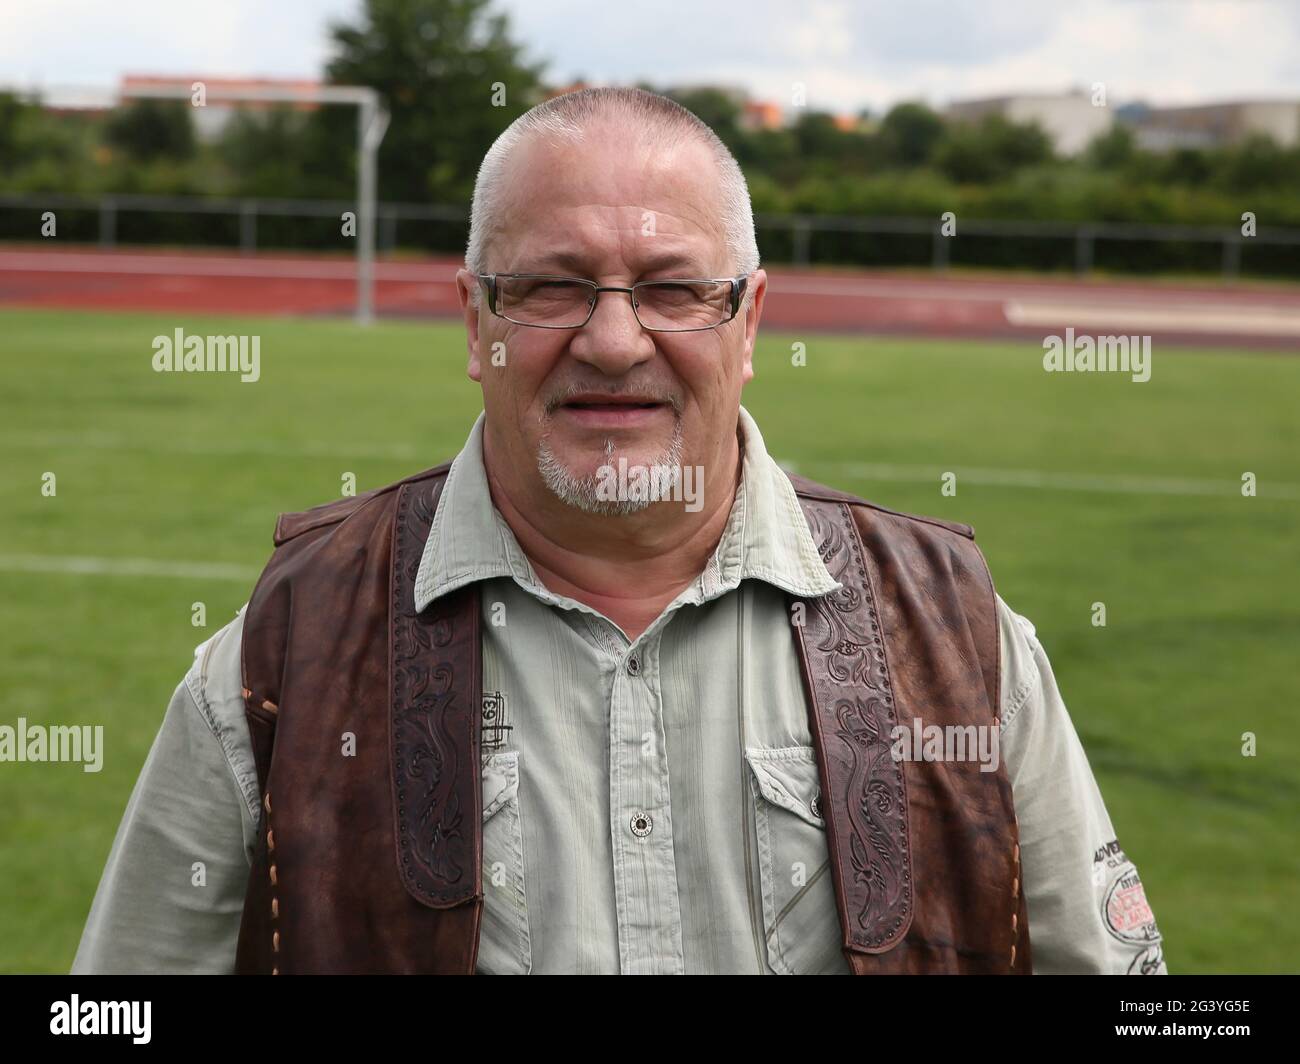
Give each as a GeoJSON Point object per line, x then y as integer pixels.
{"type": "Point", "coordinates": [373, 863]}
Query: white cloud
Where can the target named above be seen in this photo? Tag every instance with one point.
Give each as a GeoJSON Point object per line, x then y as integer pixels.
{"type": "Point", "coordinates": [65, 42]}
{"type": "Point", "coordinates": [849, 54]}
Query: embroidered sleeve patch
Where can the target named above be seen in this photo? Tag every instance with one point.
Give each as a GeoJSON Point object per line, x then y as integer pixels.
{"type": "Point", "coordinates": [1124, 907]}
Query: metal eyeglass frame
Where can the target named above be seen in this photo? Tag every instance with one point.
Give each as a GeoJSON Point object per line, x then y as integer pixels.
{"type": "Point", "coordinates": [738, 286]}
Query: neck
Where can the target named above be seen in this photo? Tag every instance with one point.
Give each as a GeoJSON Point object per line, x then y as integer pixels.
{"type": "Point", "coordinates": [626, 567]}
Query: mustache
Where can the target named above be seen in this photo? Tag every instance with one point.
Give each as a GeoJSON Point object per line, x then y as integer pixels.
{"type": "Point", "coordinates": [649, 392]}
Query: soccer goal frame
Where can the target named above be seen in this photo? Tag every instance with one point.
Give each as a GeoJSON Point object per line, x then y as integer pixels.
{"type": "Point", "coordinates": [372, 124]}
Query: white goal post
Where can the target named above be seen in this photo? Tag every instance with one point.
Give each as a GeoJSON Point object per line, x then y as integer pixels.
{"type": "Point", "coordinates": [372, 124]}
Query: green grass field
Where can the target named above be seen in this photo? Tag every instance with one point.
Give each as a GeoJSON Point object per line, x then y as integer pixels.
{"type": "Point", "coordinates": [1200, 583]}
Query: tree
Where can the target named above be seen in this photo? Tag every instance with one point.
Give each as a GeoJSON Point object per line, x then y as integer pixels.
{"type": "Point", "coordinates": [1187, 166]}
{"type": "Point", "coordinates": [153, 129]}
{"type": "Point", "coordinates": [716, 108]}
{"type": "Point", "coordinates": [819, 137]}
{"type": "Point", "coordinates": [992, 150]}
{"type": "Point", "coordinates": [441, 66]}
{"type": "Point", "coordinates": [1257, 163]}
{"type": "Point", "coordinates": [910, 132]}
{"type": "Point", "coordinates": [11, 113]}
{"type": "Point", "coordinates": [1111, 150]}
{"type": "Point", "coordinates": [266, 152]}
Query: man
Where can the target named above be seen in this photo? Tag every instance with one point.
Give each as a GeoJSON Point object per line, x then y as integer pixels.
{"type": "Point", "coordinates": [613, 693]}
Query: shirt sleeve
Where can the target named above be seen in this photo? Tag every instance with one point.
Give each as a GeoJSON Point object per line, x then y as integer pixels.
{"type": "Point", "coordinates": [171, 896]}
{"type": "Point", "coordinates": [1088, 911]}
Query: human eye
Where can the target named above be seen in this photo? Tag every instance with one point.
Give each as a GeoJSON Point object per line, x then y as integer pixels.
{"type": "Point", "coordinates": [683, 291]}
{"type": "Point", "coordinates": [543, 287]}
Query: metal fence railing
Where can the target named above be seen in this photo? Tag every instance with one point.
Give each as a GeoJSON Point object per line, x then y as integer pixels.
{"type": "Point", "coordinates": [800, 239]}
{"type": "Point", "coordinates": [247, 212]}
{"type": "Point", "coordinates": [1081, 240]}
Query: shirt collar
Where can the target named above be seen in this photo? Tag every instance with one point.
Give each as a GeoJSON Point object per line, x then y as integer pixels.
{"type": "Point", "coordinates": [766, 536]}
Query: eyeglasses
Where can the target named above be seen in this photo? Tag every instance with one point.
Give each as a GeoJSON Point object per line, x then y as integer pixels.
{"type": "Point", "coordinates": [545, 301]}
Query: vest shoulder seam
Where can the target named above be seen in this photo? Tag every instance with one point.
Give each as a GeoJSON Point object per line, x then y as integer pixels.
{"type": "Point", "coordinates": [810, 489]}
{"type": "Point", "coordinates": [963, 530]}
{"type": "Point", "coordinates": [292, 524]}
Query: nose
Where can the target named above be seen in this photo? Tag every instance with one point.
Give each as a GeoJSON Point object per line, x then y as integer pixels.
{"type": "Point", "coordinates": [613, 340]}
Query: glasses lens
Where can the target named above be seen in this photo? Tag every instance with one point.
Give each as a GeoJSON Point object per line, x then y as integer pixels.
{"type": "Point", "coordinates": [679, 305]}
{"type": "Point", "coordinates": [544, 300]}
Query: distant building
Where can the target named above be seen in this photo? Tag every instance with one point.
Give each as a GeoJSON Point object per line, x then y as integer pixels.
{"type": "Point", "coordinates": [64, 99]}
{"type": "Point", "coordinates": [851, 123]}
{"type": "Point", "coordinates": [1070, 120]}
{"type": "Point", "coordinates": [211, 119]}
{"type": "Point", "coordinates": [1217, 124]}
{"type": "Point", "coordinates": [767, 115]}
{"type": "Point", "coordinates": [761, 114]}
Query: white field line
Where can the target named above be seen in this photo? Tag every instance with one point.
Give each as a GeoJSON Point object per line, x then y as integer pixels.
{"type": "Point", "coordinates": [86, 566]}
{"type": "Point", "coordinates": [1202, 318]}
{"type": "Point", "coordinates": [1018, 478]}
{"type": "Point", "coordinates": [1106, 483]}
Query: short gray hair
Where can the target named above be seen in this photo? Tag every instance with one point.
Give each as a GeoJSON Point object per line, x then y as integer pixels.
{"type": "Point", "coordinates": [565, 117]}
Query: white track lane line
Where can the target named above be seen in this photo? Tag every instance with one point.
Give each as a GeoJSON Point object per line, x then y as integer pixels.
{"type": "Point", "coordinates": [1206, 317]}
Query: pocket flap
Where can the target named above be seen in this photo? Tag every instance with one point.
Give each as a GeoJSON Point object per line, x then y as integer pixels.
{"type": "Point", "coordinates": [788, 777]}
{"type": "Point", "coordinates": [500, 781]}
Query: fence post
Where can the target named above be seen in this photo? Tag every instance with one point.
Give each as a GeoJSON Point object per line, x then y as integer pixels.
{"type": "Point", "coordinates": [802, 236]}
{"type": "Point", "coordinates": [1231, 256]}
{"type": "Point", "coordinates": [940, 256]}
{"type": "Point", "coordinates": [1083, 250]}
{"type": "Point", "coordinates": [107, 222]}
{"type": "Point", "coordinates": [248, 227]}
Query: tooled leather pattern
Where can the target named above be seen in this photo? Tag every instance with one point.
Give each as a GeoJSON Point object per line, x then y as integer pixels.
{"type": "Point", "coordinates": [433, 725]}
{"type": "Point", "coordinates": [844, 658]}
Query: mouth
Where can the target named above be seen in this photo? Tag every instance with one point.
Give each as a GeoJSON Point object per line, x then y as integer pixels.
{"type": "Point", "coordinates": [612, 411]}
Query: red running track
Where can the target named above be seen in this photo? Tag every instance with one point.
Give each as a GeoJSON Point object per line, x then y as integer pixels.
{"type": "Point", "coordinates": [813, 301]}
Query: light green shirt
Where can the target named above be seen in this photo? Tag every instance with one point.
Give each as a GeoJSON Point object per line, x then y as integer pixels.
{"type": "Point", "coordinates": [649, 805]}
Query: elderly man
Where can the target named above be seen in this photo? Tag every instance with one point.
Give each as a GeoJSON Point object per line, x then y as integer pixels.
{"type": "Point", "coordinates": [612, 692]}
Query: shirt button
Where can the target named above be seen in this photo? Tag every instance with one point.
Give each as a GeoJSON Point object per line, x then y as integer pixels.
{"type": "Point", "coordinates": [634, 666]}
{"type": "Point", "coordinates": [642, 825]}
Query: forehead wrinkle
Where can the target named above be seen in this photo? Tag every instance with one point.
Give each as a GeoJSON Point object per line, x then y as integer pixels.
{"type": "Point", "coordinates": [663, 171]}
{"type": "Point", "coordinates": [611, 242]}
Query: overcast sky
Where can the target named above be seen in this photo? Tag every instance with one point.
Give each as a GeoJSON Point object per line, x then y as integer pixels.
{"type": "Point", "coordinates": [849, 53]}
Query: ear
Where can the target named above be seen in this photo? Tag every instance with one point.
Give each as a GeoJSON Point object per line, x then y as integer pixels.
{"type": "Point", "coordinates": [752, 308]}
{"type": "Point", "coordinates": [466, 285]}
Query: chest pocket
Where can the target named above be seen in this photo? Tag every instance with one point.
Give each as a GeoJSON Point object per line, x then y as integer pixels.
{"type": "Point", "coordinates": [800, 920]}
{"type": "Point", "coordinates": [503, 947]}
